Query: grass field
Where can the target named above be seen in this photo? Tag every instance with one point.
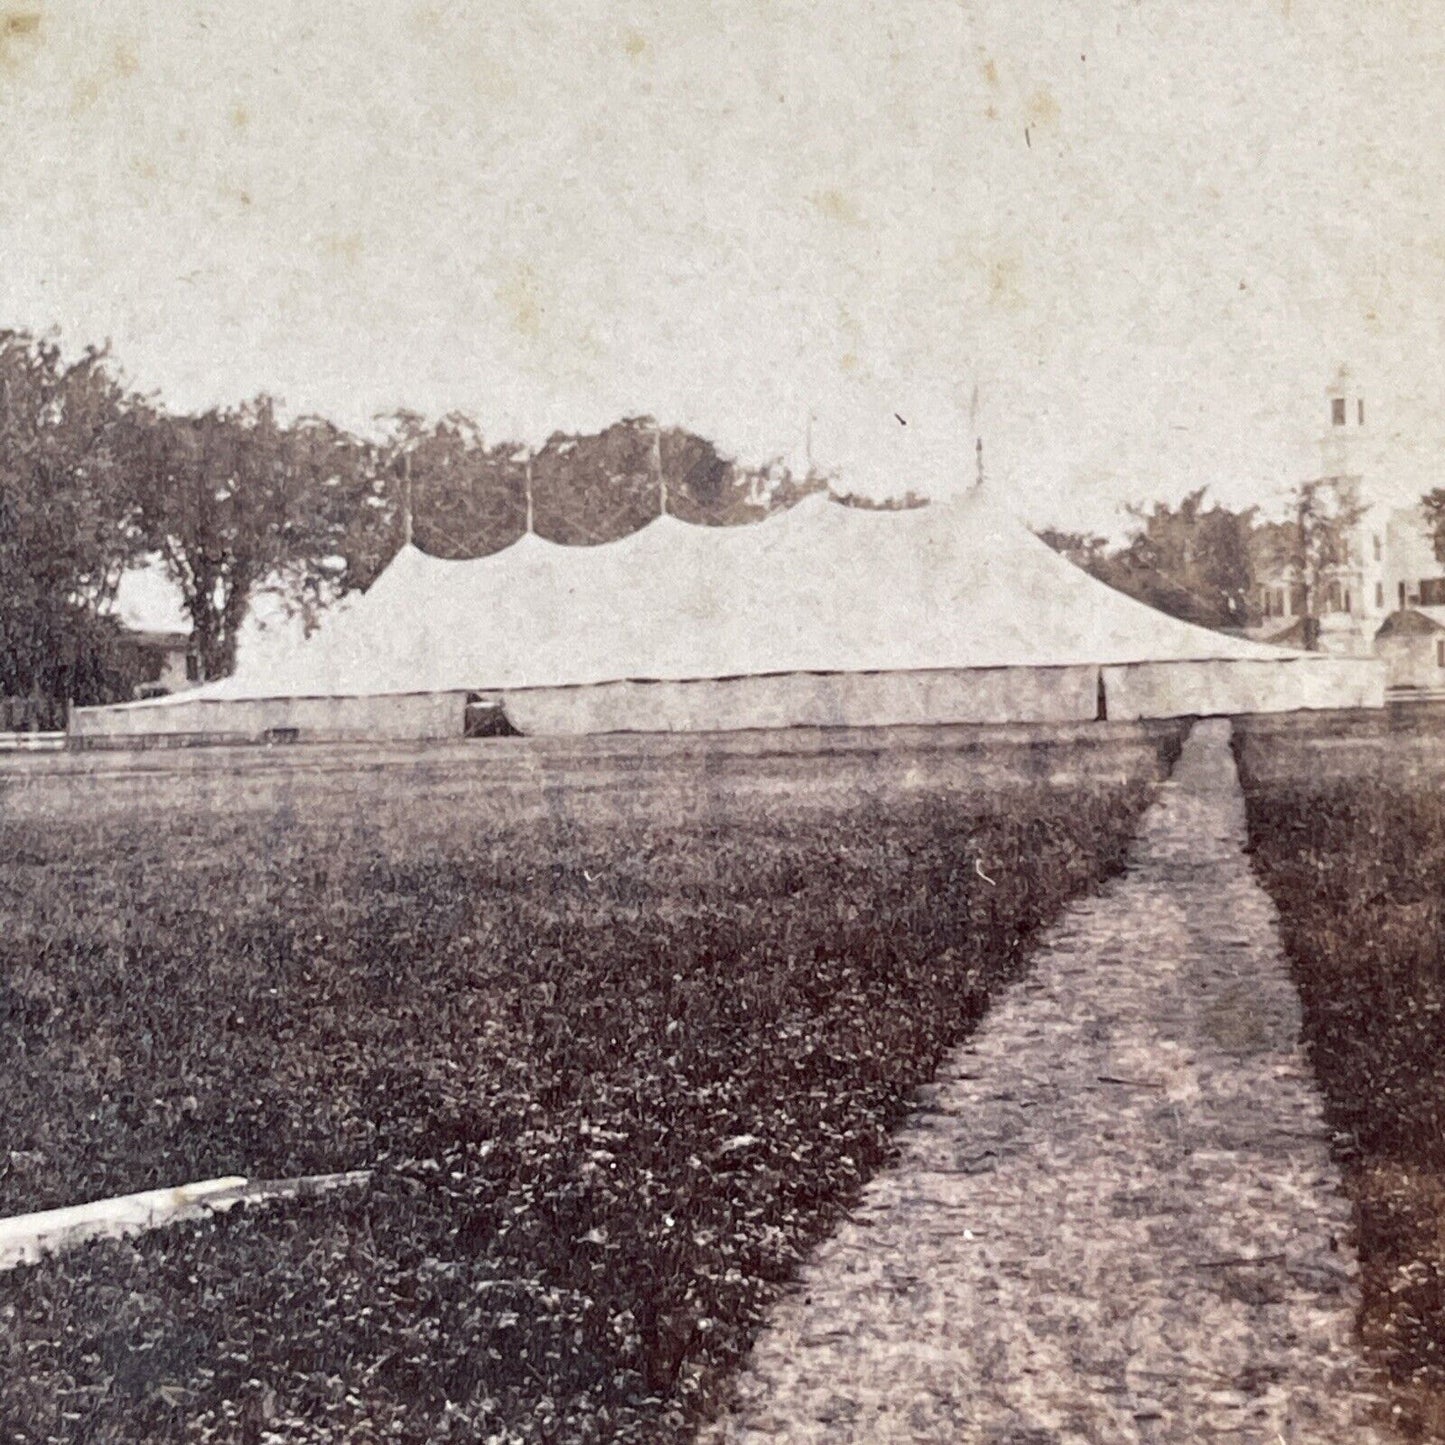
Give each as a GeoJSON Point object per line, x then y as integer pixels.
{"type": "Point", "coordinates": [621, 1026]}
{"type": "Point", "coordinates": [1347, 824]}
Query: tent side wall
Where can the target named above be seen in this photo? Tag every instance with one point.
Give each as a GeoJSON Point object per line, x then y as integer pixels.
{"type": "Point", "coordinates": [418, 717]}
{"type": "Point", "coordinates": [972, 695]}
{"type": "Point", "coordinates": [799, 699]}
{"type": "Point", "coordinates": [803, 699]}
{"type": "Point", "coordinates": [1221, 687]}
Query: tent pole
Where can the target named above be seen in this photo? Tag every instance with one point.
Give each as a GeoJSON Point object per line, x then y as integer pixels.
{"type": "Point", "coordinates": [406, 492]}
{"type": "Point", "coordinates": [978, 436]}
{"type": "Point", "coordinates": [657, 465]}
{"type": "Point", "coordinates": [529, 495]}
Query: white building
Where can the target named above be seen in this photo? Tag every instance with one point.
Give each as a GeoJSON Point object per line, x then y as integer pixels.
{"type": "Point", "coordinates": [1390, 560]}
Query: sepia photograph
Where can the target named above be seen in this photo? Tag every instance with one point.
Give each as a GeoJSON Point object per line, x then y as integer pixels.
{"type": "Point", "coordinates": [722, 722]}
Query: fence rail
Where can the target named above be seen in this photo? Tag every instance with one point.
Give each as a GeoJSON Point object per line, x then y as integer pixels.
{"type": "Point", "coordinates": [31, 742]}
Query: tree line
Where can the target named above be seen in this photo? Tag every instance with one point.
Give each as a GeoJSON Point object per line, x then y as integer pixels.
{"type": "Point", "coordinates": [95, 477]}
{"type": "Point", "coordinates": [1207, 563]}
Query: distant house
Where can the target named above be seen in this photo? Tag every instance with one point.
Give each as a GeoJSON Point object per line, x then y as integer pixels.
{"type": "Point", "coordinates": [163, 662]}
{"type": "Point", "coordinates": [1411, 642]}
{"type": "Point", "coordinates": [157, 629]}
{"type": "Point", "coordinates": [157, 643]}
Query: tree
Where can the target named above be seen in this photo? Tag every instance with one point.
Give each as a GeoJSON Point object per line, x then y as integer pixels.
{"type": "Point", "coordinates": [65, 535]}
{"type": "Point", "coordinates": [1433, 505]}
{"type": "Point", "coordinates": [910, 501]}
{"type": "Point", "coordinates": [465, 498]}
{"type": "Point", "coordinates": [1193, 561]}
{"type": "Point", "coordinates": [234, 502]}
{"type": "Point", "coordinates": [1197, 556]}
{"type": "Point", "coordinates": [1084, 549]}
{"type": "Point", "coordinates": [706, 487]}
{"type": "Point", "coordinates": [350, 533]}
{"type": "Point", "coordinates": [598, 487]}
{"type": "Point", "coordinates": [230, 500]}
{"type": "Point", "coordinates": [1316, 543]}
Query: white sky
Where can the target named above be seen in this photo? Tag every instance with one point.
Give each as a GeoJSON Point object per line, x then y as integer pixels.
{"type": "Point", "coordinates": [1148, 232]}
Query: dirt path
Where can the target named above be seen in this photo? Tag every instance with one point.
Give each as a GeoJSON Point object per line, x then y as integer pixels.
{"type": "Point", "coordinates": [1116, 1218]}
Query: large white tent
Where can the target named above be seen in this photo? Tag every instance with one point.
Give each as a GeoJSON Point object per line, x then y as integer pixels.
{"type": "Point", "coordinates": [824, 614]}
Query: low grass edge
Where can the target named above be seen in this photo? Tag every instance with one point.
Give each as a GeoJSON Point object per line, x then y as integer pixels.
{"type": "Point", "coordinates": [1351, 848]}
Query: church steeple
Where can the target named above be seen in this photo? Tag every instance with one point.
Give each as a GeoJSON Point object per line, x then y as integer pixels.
{"type": "Point", "coordinates": [1340, 444]}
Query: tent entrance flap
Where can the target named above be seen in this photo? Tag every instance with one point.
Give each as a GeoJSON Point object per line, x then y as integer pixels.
{"type": "Point", "coordinates": [486, 717]}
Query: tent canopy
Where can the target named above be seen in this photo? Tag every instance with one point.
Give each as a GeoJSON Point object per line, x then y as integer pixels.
{"type": "Point", "coordinates": [821, 588]}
